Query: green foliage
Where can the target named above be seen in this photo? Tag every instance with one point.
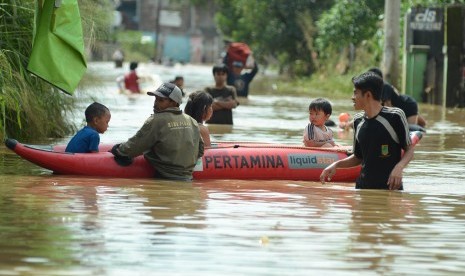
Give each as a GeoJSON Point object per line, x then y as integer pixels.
{"type": "Point", "coordinates": [294, 33]}
{"type": "Point", "coordinates": [26, 109]}
{"type": "Point", "coordinates": [318, 85]}
{"type": "Point", "coordinates": [347, 22]}
{"type": "Point", "coordinates": [96, 20]}
{"type": "Point", "coordinates": [273, 29]}
{"type": "Point", "coordinates": [29, 107]}
{"type": "Point", "coordinates": [133, 46]}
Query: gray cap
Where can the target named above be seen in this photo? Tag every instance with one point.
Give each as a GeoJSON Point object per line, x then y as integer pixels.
{"type": "Point", "coordinates": [168, 90]}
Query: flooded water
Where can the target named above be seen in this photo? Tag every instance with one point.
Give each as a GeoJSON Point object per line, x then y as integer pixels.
{"type": "Point", "coordinates": [67, 225]}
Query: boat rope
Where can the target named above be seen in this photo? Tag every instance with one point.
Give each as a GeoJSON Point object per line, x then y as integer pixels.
{"type": "Point", "coordinates": [226, 145]}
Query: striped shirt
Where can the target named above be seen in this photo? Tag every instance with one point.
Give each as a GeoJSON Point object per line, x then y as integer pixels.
{"type": "Point", "coordinates": [318, 135]}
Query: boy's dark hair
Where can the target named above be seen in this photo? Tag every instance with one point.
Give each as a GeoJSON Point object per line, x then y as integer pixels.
{"type": "Point", "coordinates": [321, 104]}
{"type": "Point", "coordinates": [133, 65]}
{"type": "Point", "coordinates": [377, 71]}
{"type": "Point", "coordinates": [220, 68]}
{"type": "Point", "coordinates": [178, 78]}
{"type": "Point", "coordinates": [95, 110]}
{"type": "Point", "coordinates": [197, 104]}
{"type": "Point", "coordinates": [369, 81]}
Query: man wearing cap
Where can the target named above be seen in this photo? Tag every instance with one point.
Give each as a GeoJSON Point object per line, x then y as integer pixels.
{"type": "Point", "coordinates": [169, 139]}
{"type": "Point", "coordinates": [224, 97]}
{"type": "Point", "coordinates": [241, 81]}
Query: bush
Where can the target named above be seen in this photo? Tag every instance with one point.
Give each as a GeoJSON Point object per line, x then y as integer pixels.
{"type": "Point", "coordinates": [135, 49]}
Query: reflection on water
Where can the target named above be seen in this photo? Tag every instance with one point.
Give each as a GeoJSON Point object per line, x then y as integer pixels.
{"type": "Point", "coordinates": [111, 226]}
{"type": "Point", "coordinates": [90, 226]}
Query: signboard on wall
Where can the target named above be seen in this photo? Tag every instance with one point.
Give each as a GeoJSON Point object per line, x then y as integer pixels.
{"type": "Point", "coordinates": [425, 26]}
{"type": "Point", "coordinates": [426, 19]}
{"type": "Point", "coordinates": [170, 18]}
{"type": "Point", "coordinates": [423, 54]}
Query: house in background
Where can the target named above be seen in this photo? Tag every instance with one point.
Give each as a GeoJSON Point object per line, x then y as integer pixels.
{"type": "Point", "coordinates": [434, 55]}
{"type": "Point", "coordinates": [183, 32]}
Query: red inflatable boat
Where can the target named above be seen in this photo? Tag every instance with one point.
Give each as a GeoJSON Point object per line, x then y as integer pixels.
{"type": "Point", "coordinates": [228, 160]}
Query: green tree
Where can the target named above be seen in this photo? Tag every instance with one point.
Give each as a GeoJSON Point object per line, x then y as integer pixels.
{"type": "Point", "coordinates": [292, 33]}
{"type": "Point", "coordinates": [131, 43]}
{"type": "Point", "coordinates": [346, 25]}
{"type": "Point", "coordinates": [275, 29]}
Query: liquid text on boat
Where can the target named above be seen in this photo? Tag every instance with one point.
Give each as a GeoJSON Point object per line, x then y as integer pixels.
{"type": "Point", "coordinates": [316, 160]}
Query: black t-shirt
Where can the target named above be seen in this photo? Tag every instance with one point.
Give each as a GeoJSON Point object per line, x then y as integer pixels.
{"type": "Point", "coordinates": [379, 142]}
{"type": "Point", "coordinates": [222, 116]}
{"type": "Point", "coordinates": [404, 102]}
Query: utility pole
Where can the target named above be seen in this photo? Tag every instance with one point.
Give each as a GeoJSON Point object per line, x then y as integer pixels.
{"type": "Point", "coordinates": [157, 31]}
{"type": "Point", "coordinates": [390, 66]}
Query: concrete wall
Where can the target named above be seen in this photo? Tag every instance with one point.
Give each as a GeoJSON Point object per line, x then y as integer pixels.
{"type": "Point", "coordinates": [182, 26]}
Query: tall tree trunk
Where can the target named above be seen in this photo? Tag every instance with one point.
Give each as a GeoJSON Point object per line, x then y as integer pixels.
{"type": "Point", "coordinates": [390, 64]}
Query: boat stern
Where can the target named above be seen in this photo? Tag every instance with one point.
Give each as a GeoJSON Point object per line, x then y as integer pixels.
{"type": "Point", "coordinates": [11, 143]}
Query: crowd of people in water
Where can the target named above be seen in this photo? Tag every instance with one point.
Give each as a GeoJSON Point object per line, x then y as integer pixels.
{"type": "Point", "coordinates": [172, 139]}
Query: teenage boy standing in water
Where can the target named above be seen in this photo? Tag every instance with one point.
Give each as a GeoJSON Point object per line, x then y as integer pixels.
{"type": "Point", "coordinates": [379, 137]}
{"type": "Point", "coordinates": [224, 97]}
